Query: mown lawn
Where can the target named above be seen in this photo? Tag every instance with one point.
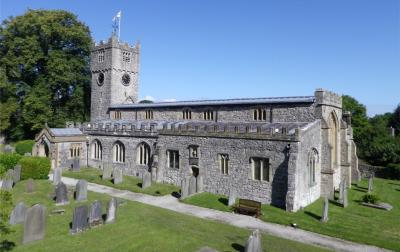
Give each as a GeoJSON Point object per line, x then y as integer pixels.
{"type": "Point", "coordinates": [356, 222]}
{"type": "Point", "coordinates": [129, 183]}
{"type": "Point", "coordinates": [139, 227]}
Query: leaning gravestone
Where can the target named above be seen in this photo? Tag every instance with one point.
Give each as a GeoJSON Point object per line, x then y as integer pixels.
{"type": "Point", "coordinates": [111, 211]}
{"type": "Point", "coordinates": [192, 185]}
{"type": "Point", "coordinates": [30, 186]}
{"type": "Point", "coordinates": [370, 184]}
{"type": "Point", "coordinates": [18, 214]}
{"type": "Point", "coordinates": [34, 223]}
{"type": "Point", "coordinates": [200, 185]}
{"type": "Point", "coordinates": [17, 173]}
{"type": "Point", "coordinates": [95, 216]}
{"type": "Point", "coordinates": [232, 197]}
{"type": "Point", "coordinates": [146, 179]}
{"type": "Point", "coordinates": [57, 175]}
{"type": "Point", "coordinates": [80, 219]}
{"type": "Point", "coordinates": [107, 171]}
{"type": "Point", "coordinates": [61, 194]}
{"type": "Point", "coordinates": [325, 210]}
{"type": "Point", "coordinates": [253, 244]}
{"type": "Point", "coordinates": [184, 188]}
{"type": "Point", "coordinates": [76, 166]}
{"type": "Point", "coordinates": [117, 176]}
{"type": "Point", "coordinates": [81, 190]}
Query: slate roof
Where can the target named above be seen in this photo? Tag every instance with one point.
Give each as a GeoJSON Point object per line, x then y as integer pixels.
{"type": "Point", "coordinates": [221, 102]}
{"type": "Point", "coordinates": [65, 131]}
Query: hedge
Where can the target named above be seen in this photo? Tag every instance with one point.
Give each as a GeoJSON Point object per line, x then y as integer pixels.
{"type": "Point", "coordinates": [34, 167]}
{"type": "Point", "coordinates": [391, 171]}
{"type": "Point", "coordinates": [24, 146]}
{"type": "Point", "coordinates": [9, 160]}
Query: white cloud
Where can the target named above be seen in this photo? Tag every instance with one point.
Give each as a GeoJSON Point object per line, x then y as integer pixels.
{"type": "Point", "coordinates": [148, 97]}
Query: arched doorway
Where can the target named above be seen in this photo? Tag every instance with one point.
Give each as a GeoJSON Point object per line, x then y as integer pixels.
{"type": "Point", "coordinates": [195, 171]}
{"type": "Point", "coordinates": [333, 139]}
{"type": "Point", "coordinates": [43, 149]}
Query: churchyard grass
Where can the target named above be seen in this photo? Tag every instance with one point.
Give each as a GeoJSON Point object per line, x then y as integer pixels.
{"type": "Point", "coordinates": [129, 183]}
{"type": "Point", "coordinates": [356, 222]}
{"type": "Point", "coordinates": [138, 227]}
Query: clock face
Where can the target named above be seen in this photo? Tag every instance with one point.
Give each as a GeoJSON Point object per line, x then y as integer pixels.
{"type": "Point", "coordinates": [100, 79]}
{"type": "Point", "coordinates": [126, 79]}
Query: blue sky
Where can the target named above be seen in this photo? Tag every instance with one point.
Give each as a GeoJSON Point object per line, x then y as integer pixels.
{"type": "Point", "coordinates": [229, 49]}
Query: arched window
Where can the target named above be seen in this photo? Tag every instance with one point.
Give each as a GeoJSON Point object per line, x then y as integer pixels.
{"type": "Point", "coordinates": [149, 114]}
{"type": "Point", "coordinates": [74, 150]}
{"type": "Point", "coordinates": [312, 162]}
{"type": "Point", "coordinates": [260, 168]}
{"type": "Point", "coordinates": [187, 114]}
{"type": "Point", "coordinates": [143, 154]}
{"type": "Point", "coordinates": [97, 150]}
{"type": "Point", "coordinates": [119, 152]}
{"type": "Point", "coordinates": [208, 115]}
{"type": "Point", "coordinates": [260, 114]}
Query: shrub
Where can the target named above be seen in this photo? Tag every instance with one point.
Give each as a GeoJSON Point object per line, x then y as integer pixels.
{"type": "Point", "coordinates": [391, 171]}
{"type": "Point", "coordinates": [34, 167]}
{"type": "Point", "coordinates": [24, 146]}
{"type": "Point", "coordinates": [9, 160]}
{"type": "Point", "coordinates": [370, 198]}
{"type": "Point", "coordinates": [2, 170]}
{"type": "Point", "coordinates": [5, 209]}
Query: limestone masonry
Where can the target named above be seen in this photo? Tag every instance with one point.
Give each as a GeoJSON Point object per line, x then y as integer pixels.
{"type": "Point", "coordinates": [284, 151]}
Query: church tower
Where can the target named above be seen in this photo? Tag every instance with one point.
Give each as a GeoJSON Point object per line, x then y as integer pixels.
{"type": "Point", "coordinates": [115, 69]}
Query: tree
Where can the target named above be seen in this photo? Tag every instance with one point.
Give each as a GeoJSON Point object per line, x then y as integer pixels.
{"type": "Point", "coordinates": [44, 57]}
{"type": "Point", "coordinates": [395, 120]}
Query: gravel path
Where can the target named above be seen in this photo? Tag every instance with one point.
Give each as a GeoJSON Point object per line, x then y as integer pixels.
{"type": "Point", "coordinates": [242, 221]}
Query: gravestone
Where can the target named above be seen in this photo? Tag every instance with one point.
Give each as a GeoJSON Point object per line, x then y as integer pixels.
{"type": "Point", "coordinates": [79, 219]}
{"type": "Point", "coordinates": [107, 171]}
{"type": "Point", "coordinates": [61, 194]}
{"type": "Point", "coordinates": [27, 154]}
{"type": "Point", "coordinates": [95, 216]}
{"type": "Point", "coordinates": [341, 190]}
{"type": "Point", "coordinates": [370, 184]}
{"type": "Point", "coordinates": [34, 223]}
{"type": "Point", "coordinates": [146, 179]}
{"type": "Point", "coordinates": [111, 211]}
{"type": "Point", "coordinates": [192, 185]}
{"type": "Point", "coordinates": [200, 185]}
{"type": "Point", "coordinates": [7, 184]}
{"type": "Point", "coordinates": [184, 188]}
{"type": "Point", "coordinates": [81, 190]}
{"type": "Point", "coordinates": [232, 197]}
{"type": "Point", "coordinates": [325, 210]}
{"type": "Point", "coordinates": [30, 186]}
{"type": "Point", "coordinates": [18, 214]}
{"type": "Point", "coordinates": [17, 173]}
{"type": "Point", "coordinates": [57, 175]}
{"type": "Point", "coordinates": [8, 149]}
{"type": "Point", "coordinates": [345, 198]}
{"type": "Point", "coordinates": [117, 176]}
{"type": "Point", "coordinates": [253, 244]}
{"type": "Point", "coordinates": [76, 166]}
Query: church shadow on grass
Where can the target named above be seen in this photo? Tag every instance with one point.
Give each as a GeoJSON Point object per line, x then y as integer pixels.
{"type": "Point", "coordinates": [223, 201]}
{"type": "Point", "coordinates": [6, 245]}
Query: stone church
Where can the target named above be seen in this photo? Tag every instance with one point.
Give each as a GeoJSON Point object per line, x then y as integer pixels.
{"type": "Point", "coordinates": [284, 151]}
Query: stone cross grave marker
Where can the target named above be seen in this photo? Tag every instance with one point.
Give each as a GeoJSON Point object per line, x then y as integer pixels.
{"type": "Point", "coordinates": [117, 176]}
{"type": "Point", "coordinates": [370, 184]}
{"type": "Point", "coordinates": [34, 223]}
{"type": "Point", "coordinates": [18, 214]}
{"type": "Point", "coordinates": [81, 190]}
{"type": "Point", "coordinates": [76, 165]}
{"type": "Point", "coordinates": [111, 211]}
{"type": "Point", "coordinates": [325, 210]}
{"type": "Point", "coordinates": [146, 179]}
{"type": "Point", "coordinates": [61, 194]}
{"type": "Point", "coordinates": [95, 216]}
{"type": "Point", "coordinates": [107, 171]}
{"type": "Point", "coordinates": [17, 173]}
{"type": "Point", "coordinates": [57, 175]}
{"type": "Point", "coordinates": [253, 244]}
{"type": "Point", "coordinates": [80, 219]}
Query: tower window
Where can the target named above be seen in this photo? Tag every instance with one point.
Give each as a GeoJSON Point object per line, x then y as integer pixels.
{"type": "Point", "coordinates": [260, 115]}
{"type": "Point", "coordinates": [126, 56]}
{"type": "Point", "coordinates": [117, 115]}
{"type": "Point", "coordinates": [173, 159]}
{"type": "Point", "coordinates": [193, 151]}
{"type": "Point", "coordinates": [223, 163]}
{"type": "Point", "coordinates": [187, 114]}
{"type": "Point", "coordinates": [100, 56]}
{"type": "Point", "coordinates": [261, 169]}
{"type": "Point", "coordinates": [149, 114]}
{"type": "Point", "coordinates": [208, 115]}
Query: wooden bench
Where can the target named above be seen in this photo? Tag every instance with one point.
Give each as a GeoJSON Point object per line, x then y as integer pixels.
{"type": "Point", "coordinates": [249, 207]}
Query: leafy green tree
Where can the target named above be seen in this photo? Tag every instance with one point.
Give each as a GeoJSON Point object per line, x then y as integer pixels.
{"type": "Point", "coordinates": [44, 55]}
{"type": "Point", "coordinates": [358, 111]}
{"type": "Point", "coordinates": [395, 120]}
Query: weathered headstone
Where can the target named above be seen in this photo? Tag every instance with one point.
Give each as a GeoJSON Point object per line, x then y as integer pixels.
{"type": "Point", "coordinates": [34, 223]}
{"type": "Point", "coordinates": [325, 210]}
{"type": "Point", "coordinates": [30, 186]}
{"type": "Point", "coordinates": [8, 149]}
{"type": "Point", "coordinates": [192, 185]}
{"type": "Point", "coordinates": [370, 184]}
{"type": "Point", "coordinates": [185, 188]}
{"type": "Point", "coordinates": [79, 219]}
{"type": "Point", "coordinates": [253, 244]}
{"type": "Point", "coordinates": [57, 175]}
{"type": "Point", "coordinates": [232, 197]}
{"type": "Point", "coordinates": [7, 184]}
{"type": "Point", "coordinates": [81, 190]}
{"type": "Point", "coordinates": [200, 185]}
{"type": "Point", "coordinates": [61, 194]}
{"type": "Point", "coordinates": [76, 166]}
{"type": "Point", "coordinates": [18, 214]}
{"type": "Point", "coordinates": [107, 171]}
{"type": "Point", "coordinates": [341, 190]}
{"type": "Point", "coordinates": [117, 176]}
{"type": "Point", "coordinates": [95, 216]}
{"type": "Point", "coordinates": [17, 173]}
{"type": "Point", "coordinates": [111, 211]}
{"type": "Point", "coordinates": [146, 180]}
{"type": "Point", "coordinates": [345, 197]}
